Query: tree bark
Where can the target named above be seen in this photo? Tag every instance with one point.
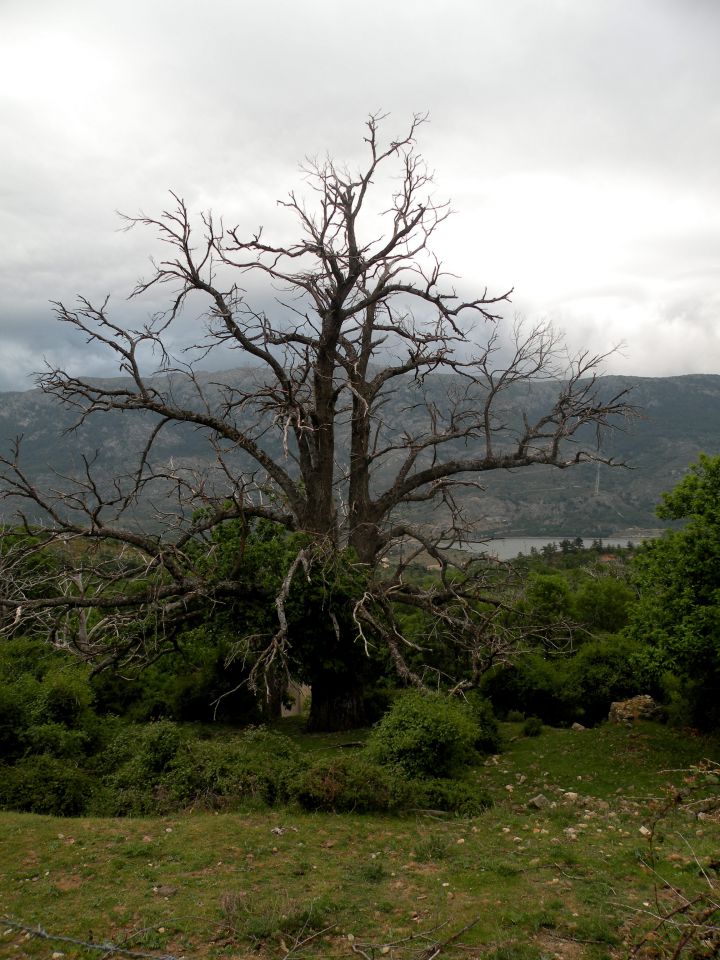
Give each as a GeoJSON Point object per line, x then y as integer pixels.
{"type": "Point", "coordinates": [337, 703]}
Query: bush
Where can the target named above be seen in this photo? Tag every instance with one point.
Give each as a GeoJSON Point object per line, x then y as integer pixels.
{"type": "Point", "coordinates": [532, 727]}
{"type": "Point", "coordinates": [136, 762]}
{"type": "Point", "coordinates": [450, 796]}
{"type": "Point", "coordinates": [56, 740]}
{"type": "Point", "coordinates": [534, 686]}
{"type": "Point", "coordinates": [548, 599]}
{"type": "Point", "coordinates": [603, 604]}
{"type": "Point", "coordinates": [45, 785]}
{"type": "Point", "coordinates": [603, 671]}
{"type": "Point", "coordinates": [170, 771]}
{"type": "Point", "coordinates": [489, 740]}
{"type": "Point", "coordinates": [13, 721]}
{"type": "Point", "coordinates": [677, 613]}
{"type": "Point", "coordinates": [349, 784]}
{"type": "Point", "coordinates": [148, 748]}
{"type": "Point", "coordinates": [565, 688]}
{"type": "Point", "coordinates": [425, 734]}
{"type": "Point", "coordinates": [194, 685]}
{"type": "Point", "coordinates": [46, 704]}
{"type": "Point", "coordinates": [65, 697]}
{"type": "Point", "coordinates": [257, 768]}
{"type": "Point", "coordinates": [25, 656]}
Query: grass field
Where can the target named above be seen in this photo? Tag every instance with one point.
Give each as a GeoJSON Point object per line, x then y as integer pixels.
{"type": "Point", "coordinates": [577, 874]}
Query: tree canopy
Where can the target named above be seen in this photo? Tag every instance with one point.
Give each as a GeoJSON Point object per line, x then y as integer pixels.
{"type": "Point", "coordinates": [677, 613]}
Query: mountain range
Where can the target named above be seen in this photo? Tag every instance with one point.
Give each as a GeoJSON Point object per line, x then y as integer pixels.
{"type": "Point", "coordinates": [678, 418]}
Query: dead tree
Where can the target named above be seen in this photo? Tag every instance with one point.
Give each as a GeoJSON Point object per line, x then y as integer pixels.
{"type": "Point", "coordinates": [313, 434]}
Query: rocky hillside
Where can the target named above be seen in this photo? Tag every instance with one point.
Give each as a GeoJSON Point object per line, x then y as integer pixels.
{"type": "Point", "coordinates": [679, 417]}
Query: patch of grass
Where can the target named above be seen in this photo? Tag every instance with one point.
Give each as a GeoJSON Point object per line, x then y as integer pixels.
{"type": "Point", "coordinates": [290, 918]}
{"type": "Point", "coordinates": [371, 872]}
{"type": "Point", "coordinates": [431, 848]}
{"type": "Point", "coordinates": [596, 929]}
{"type": "Point", "coordinates": [319, 743]}
{"type": "Point", "coordinates": [506, 870]}
{"type": "Point", "coordinates": [213, 885]}
{"type": "Point", "coordinates": [518, 951]}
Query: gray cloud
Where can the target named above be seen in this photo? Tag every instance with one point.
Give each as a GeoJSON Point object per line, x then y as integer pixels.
{"type": "Point", "coordinates": [578, 141]}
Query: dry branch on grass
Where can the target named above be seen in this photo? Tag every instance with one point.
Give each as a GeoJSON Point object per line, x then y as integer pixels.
{"type": "Point", "coordinates": [106, 948]}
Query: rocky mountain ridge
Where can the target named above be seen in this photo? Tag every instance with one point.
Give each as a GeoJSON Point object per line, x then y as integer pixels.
{"type": "Point", "coordinates": [679, 417]}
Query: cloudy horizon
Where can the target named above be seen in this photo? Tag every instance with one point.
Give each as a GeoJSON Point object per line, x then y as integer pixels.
{"type": "Point", "coordinates": [578, 143]}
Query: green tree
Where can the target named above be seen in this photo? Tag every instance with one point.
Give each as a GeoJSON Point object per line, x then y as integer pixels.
{"type": "Point", "coordinates": [548, 597]}
{"type": "Point", "coordinates": [544, 613]}
{"type": "Point", "coordinates": [678, 577]}
{"type": "Point", "coordinates": [602, 603]}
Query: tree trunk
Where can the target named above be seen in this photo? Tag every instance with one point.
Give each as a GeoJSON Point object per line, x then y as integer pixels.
{"type": "Point", "coordinates": [273, 699]}
{"type": "Point", "coordinates": [336, 703]}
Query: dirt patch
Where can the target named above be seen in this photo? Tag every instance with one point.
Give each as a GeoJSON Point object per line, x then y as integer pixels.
{"type": "Point", "coordinates": [560, 947]}
{"type": "Point", "coordinates": [66, 882]}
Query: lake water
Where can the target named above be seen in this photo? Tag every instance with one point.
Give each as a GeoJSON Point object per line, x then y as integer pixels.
{"type": "Point", "coordinates": [506, 548]}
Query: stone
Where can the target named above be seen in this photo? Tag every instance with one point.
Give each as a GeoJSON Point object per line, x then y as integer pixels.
{"type": "Point", "coordinates": [578, 726]}
{"type": "Point", "coordinates": [165, 890]}
{"type": "Point", "coordinates": [642, 707]}
{"type": "Point", "coordinates": [539, 802]}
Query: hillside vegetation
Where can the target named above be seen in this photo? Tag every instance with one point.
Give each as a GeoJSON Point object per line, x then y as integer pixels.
{"type": "Point", "coordinates": [592, 838]}
{"type": "Point", "coordinates": [197, 823]}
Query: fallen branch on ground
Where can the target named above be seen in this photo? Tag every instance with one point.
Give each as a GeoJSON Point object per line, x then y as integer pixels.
{"type": "Point", "coordinates": [107, 948]}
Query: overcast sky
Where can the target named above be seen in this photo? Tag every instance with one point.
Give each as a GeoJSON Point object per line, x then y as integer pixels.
{"type": "Point", "coordinates": [578, 140]}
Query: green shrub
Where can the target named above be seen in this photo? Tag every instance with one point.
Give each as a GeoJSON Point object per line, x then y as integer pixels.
{"type": "Point", "coordinates": [56, 740]}
{"type": "Point", "coordinates": [170, 771]}
{"type": "Point", "coordinates": [603, 604]}
{"type": "Point", "coordinates": [23, 656]}
{"type": "Point", "coordinates": [193, 685]}
{"type": "Point", "coordinates": [45, 785]}
{"type": "Point", "coordinates": [548, 599]}
{"type": "Point", "coordinates": [606, 670]}
{"type": "Point", "coordinates": [147, 748]}
{"type": "Point", "coordinates": [65, 697]}
{"type": "Point", "coordinates": [372, 872]}
{"type": "Point", "coordinates": [45, 703]}
{"type": "Point", "coordinates": [432, 847]}
{"type": "Point", "coordinates": [489, 740]}
{"type": "Point", "coordinates": [257, 768]}
{"type": "Point", "coordinates": [425, 734]}
{"type": "Point", "coordinates": [450, 796]}
{"type": "Point", "coordinates": [135, 763]}
{"type": "Point", "coordinates": [532, 727]}
{"type": "Point", "coordinates": [579, 686]}
{"type": "Point", "coordinates": [535, 685]}
{"type": "Point", "coordinates": [349, 783]}
{"type": "Point", "coordinates": [13, 721]}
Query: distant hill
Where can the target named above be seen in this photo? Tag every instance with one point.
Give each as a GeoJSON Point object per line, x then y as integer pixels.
{"type": "Point", "coordinates": [679, 418]}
